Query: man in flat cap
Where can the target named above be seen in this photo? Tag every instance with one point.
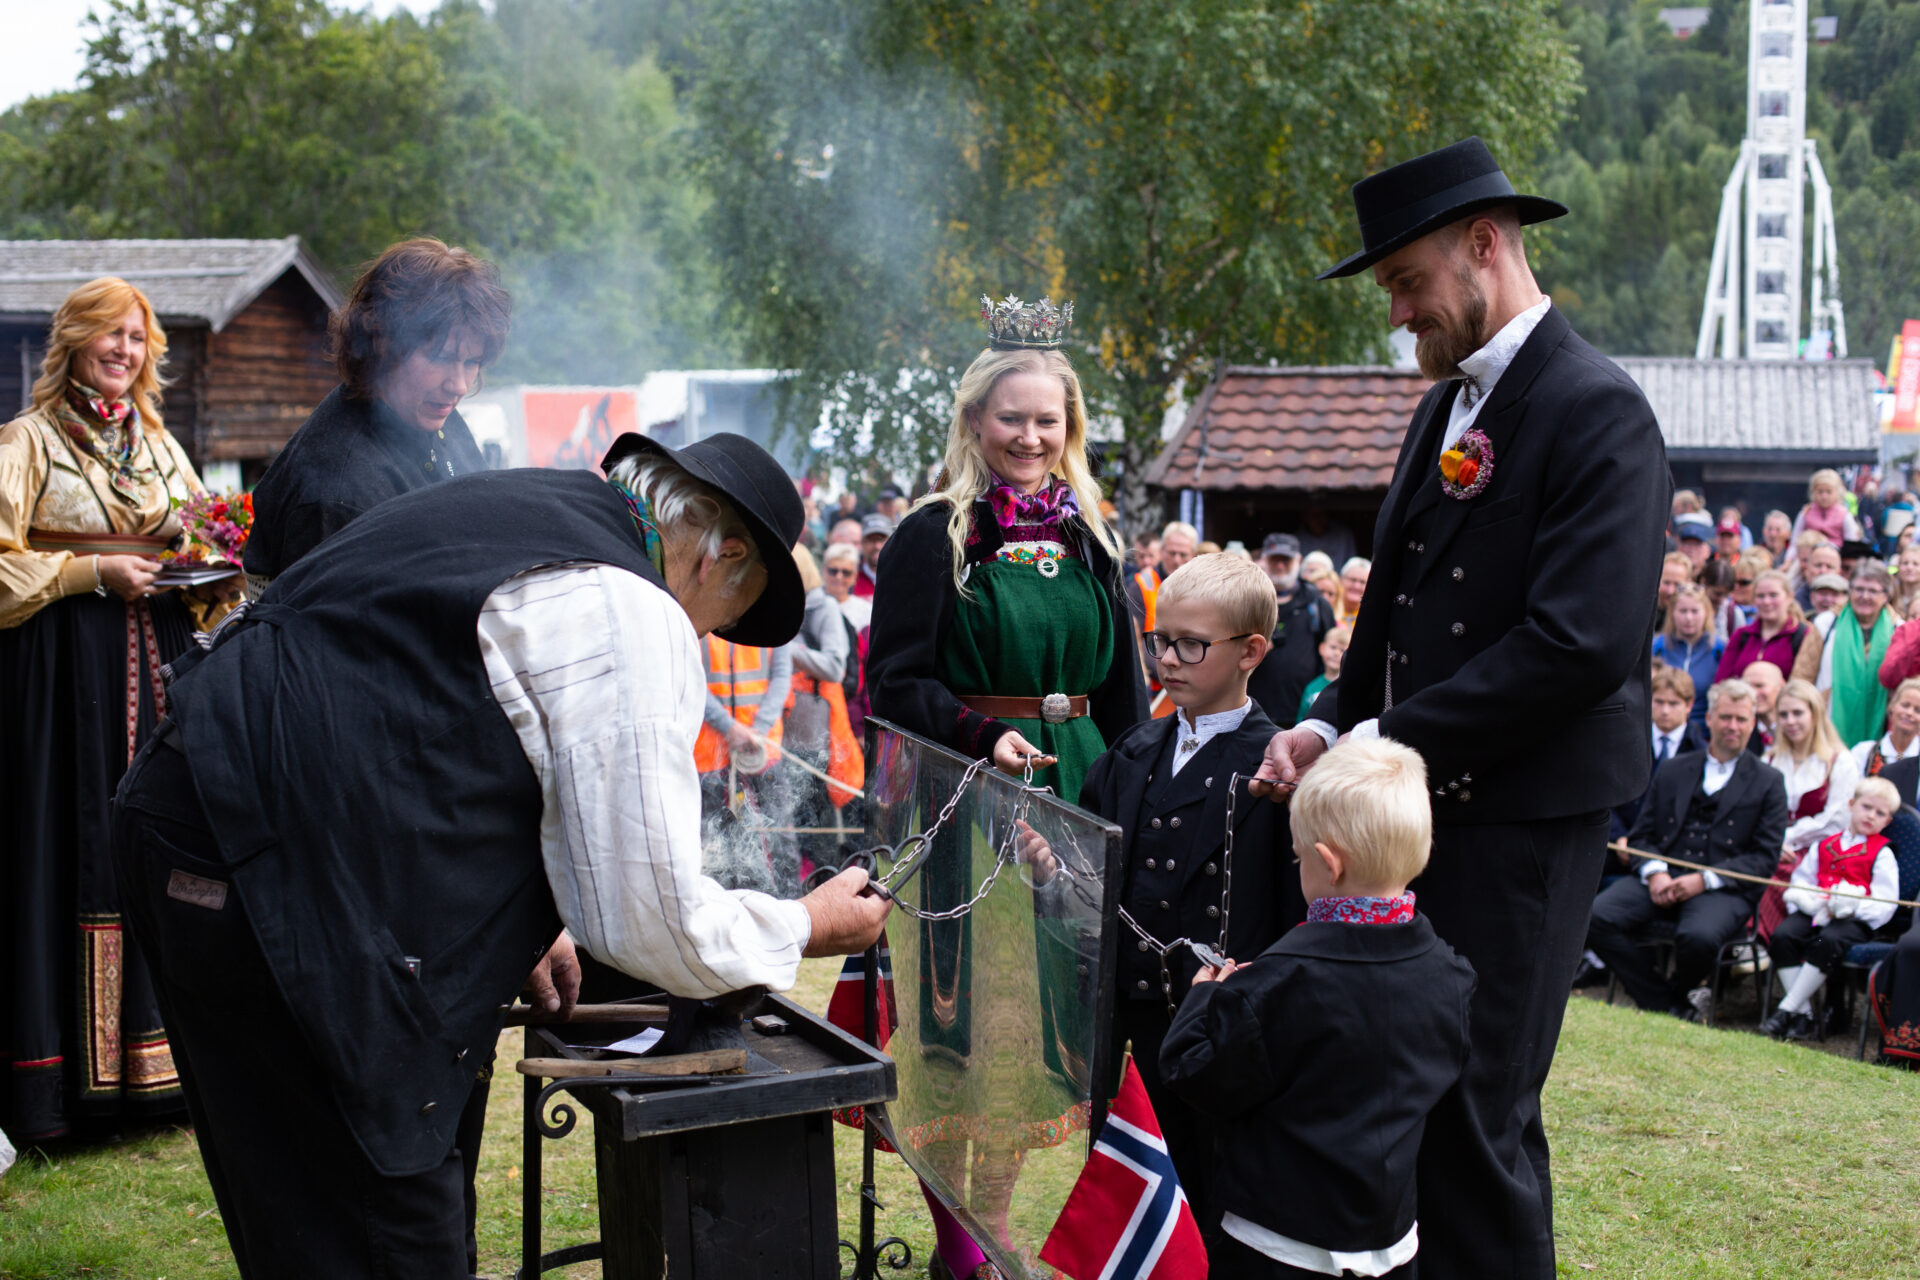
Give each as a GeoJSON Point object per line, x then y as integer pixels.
{"type": "Point", "coordinates": [463, 720]}
{"type": "Point", "coordinates": [1488, 642]}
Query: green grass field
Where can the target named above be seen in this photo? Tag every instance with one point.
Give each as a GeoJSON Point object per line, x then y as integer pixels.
{"type": "Point", "coordinates": [1678, 1152]}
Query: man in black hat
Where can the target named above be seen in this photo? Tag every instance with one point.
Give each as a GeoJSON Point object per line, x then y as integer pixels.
{"type": "Point", "coordinates": [1294, 658]}
{"type": "Point", "coordinates": [1485, 634]}
{"type": "Point", "coordinates": [465, 719]}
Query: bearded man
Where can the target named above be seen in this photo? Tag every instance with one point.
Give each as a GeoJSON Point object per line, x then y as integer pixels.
{"type": "Point", "coordinates": [1487, 642]}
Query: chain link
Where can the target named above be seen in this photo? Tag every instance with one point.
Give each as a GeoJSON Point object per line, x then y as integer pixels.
{"type": "Point", "coordinates": [1200, 949]}
{"type": "Point", "coordinates": [922, 842]}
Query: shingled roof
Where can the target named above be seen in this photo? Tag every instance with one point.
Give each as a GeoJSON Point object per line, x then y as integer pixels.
{"type": "Point", "coordinates": [1335, 429]}
{"type": "Point", "coordinates": [1263, 427]}
{"type": "Point", "coordinates": [210, 281]}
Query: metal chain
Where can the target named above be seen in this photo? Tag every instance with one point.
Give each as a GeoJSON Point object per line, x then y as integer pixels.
{"type": "Point", "coordinates": [1200, 949]}
{"type": "Point", "coordinates": [1003, 855]}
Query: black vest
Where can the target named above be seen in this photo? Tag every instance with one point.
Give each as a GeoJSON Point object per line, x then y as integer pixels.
{"type": "Point", "coordinates": [380, 818]}
{"type": "Point", "coordinates": [1696, 829]}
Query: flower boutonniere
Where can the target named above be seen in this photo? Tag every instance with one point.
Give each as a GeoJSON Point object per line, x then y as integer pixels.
{"type": "Point", "coordinates": [1466, 468]}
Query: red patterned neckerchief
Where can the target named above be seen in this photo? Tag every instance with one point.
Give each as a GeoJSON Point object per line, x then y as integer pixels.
{"type": "Point", "coordinates": [109, 430]}
{"type": "Point", "coordinates": [1361, 910]}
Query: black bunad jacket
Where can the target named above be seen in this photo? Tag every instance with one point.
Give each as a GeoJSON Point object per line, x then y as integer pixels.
{"type": "Point", "coordinates": [1189, 823]}
{"type": "Point", "coordinates": [913, 601]}
{"type": "Point", "coordinates": [1693, 737]}
{"type": "Point", "coordinates": [1749, 818]}
{"type": "Point", "coordinates": [1529, 604]}
{"type": "Point", "coordinates": [347, 457]}
{"type": "Point", "coordinates": [1318, 1064]}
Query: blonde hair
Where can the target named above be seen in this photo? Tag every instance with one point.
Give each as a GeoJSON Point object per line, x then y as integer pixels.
{"type": "Point", "coordinates": [1691, 591]}
{"type": "Point", "coordinates": [1673, 680]}
{"type": "Point", "coordinates": [1888, 794]}
{"type": "Point", "coordinates": [1795, 614]}
{"type": "Point", "coordinates": [1240, 589]}
{"type": "Point", "coordinates": [1368, 799]}
{"type": "Point", "coordinates": [1732, 688]}
{"type": "Point", "coordinates": [686, 508]}
{"type": "Point", "coordinates": [1909, 685]}
{"type": "Point", "coordinates": [1181, 527]}
{"type": "Point", "coordinates": [1826, 739]}
{"type": "Point", "coordinates": [93, 309]}
{"type": "Point", "coordinates": [1825, 475]}
{"type": "Point", "coordinates": [809, 571]}
{"type": "Point", "coordinates": [964, 475]}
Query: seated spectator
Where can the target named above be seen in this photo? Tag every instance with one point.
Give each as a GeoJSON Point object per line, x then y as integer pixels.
{"type": "Point", "coordinates": [1353, 586]}
{"type": "Point", "coordinates": [1844, 888]}
{"type": "Point", "coordinates": [1819, 772]}
{"type": "Point", "coordinates": [1674, 734]}
{"type": "Point", "coordinates": [1332, 650]}
{"type": "Point", "coordinates": [1901, 741]}
{"type": "Point", "coordinates": [1689, 643]}
{"type": "Point", "coordinates": [1828, 594]}
{"type": "Point", "coordinates": [1675, 572]}
{"type": "Point", "coordinates": [1753, 562]}
{"type": "Point", "coordinates": [1843, 655]}
{"type": "Point", "coordinates": [1826, 511]}
{"type": "Point", "coordinates": [1716, 578]}
{"type": "Point", "coordinates": [1695, 534]}
{"type": "Point", "coordinates": [1774, 635]}
{"type": "Point", "coordinates": [1719, 807]}
{"type": "Point", "coordinates": [1766, 681]}
{"type": "Point", "coordinates": [1776, 535]}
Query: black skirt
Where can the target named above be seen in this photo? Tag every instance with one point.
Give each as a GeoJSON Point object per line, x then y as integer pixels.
{"type": "Point", "coordinates": [81, 1040]}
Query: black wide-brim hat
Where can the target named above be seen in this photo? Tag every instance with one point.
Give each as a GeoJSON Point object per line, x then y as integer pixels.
{"type": "Point", "coordinates": [762, 492]}
{"type": "Point", "coordinates": [1399, 205]}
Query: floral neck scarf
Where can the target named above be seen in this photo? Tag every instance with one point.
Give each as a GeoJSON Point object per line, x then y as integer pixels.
{"type": "Point", "coordinates": [1362, 910]}
{"type": "Point", "coordinates": [1053, 503]}
{"type": "Point", "coordinates": [109, 430]}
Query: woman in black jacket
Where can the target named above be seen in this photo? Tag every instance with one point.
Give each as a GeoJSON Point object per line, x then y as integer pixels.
{"type": "Point", "coordinates": [410, 343]}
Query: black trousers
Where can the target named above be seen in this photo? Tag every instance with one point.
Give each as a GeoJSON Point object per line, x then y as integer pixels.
{"type": "Point", "coordinates": [1228, 1259]}
{"type": "Point", "coordinates": [297, 1195]}
{"type": "Point", "coordinates": [1796, 941]}
{"type": "Point", "coordinates": [1512, 899]}
{"type": "Point", "coordinates": [1702, 925]}
{"type": "Point", "coordinates": [1189, 1134]}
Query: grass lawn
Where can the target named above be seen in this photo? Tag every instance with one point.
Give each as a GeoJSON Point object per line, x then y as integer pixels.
{"type": "Point", "coordinates": [1678, 1152]}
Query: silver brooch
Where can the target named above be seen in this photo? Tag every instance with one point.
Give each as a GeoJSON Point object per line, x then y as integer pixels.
{"type": "Point", "coordinates": [1048, 567]}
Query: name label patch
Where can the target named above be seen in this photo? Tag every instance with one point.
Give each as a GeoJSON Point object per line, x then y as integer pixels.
{"type": "Point", "coordinates": [197, 890]}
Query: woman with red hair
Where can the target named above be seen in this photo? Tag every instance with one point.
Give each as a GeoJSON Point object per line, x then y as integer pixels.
{"type": "Point", "coordinates": [89, 478]}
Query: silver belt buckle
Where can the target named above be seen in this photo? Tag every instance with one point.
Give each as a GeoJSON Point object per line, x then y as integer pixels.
{"type": "Point", "coordinates": [1056, 708]}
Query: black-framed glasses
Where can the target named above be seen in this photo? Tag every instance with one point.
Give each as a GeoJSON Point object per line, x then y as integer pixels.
{"type": "Point", "coordinates": [1189, 649]}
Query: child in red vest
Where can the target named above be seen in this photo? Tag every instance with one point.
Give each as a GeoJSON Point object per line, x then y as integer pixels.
{"type": "Point", "coordinates": [1843, 889]}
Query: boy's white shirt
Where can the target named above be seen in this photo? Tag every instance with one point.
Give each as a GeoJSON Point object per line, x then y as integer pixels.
{"type": "Point", "coordinates": [1203, 731]}
{"type": "Point", "coordinates": [1874, 911]}
{"type": "Point", "coordinates": [1311, 1257]}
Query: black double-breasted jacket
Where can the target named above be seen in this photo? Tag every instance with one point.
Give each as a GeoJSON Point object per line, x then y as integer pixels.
{"type": "Point", "coordinates": [1748, 817]}
{"type": "Point", "coordinates": [1516, 624]}
{"type": "Point", "coordinates": [1173, 847]}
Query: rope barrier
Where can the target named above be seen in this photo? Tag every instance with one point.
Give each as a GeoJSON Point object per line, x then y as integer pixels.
{"type": "Point", "coordinates": [1621, 846]}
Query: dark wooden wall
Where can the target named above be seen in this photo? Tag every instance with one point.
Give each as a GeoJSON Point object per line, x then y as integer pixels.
{"type": "Point", "coordinates": [186, 358]}
{"type": "Point", "coordinates": [265, 372]}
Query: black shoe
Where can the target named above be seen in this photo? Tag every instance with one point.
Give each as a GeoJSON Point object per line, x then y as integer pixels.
{"type": "Point", "coordinates": [1589, 974]}
{"type": "Point", "coordinates": [1802, 1028]}
{"type": "Point", "coordinates": [1776, 1024]}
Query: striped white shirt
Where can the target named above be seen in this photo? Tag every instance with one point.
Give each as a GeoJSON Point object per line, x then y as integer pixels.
{"type": "Point", "coordinates": [599, 672]}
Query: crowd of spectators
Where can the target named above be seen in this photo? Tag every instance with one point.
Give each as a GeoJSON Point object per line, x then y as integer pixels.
{"type": "Point", "coordinates": [1786, 683]}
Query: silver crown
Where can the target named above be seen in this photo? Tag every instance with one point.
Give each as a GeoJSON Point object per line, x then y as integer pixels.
{"type": "Point", "coordinates": [1013, 325]}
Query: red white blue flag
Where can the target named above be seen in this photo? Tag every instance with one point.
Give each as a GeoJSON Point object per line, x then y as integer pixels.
{"type": "Point", "coordinates": [847, 1007]}
{"type": "Point", "coordinates": [1127, 1218]}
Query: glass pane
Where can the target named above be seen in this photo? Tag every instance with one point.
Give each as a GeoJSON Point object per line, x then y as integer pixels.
{"type": "Point", "coordinates": [996, 1044]}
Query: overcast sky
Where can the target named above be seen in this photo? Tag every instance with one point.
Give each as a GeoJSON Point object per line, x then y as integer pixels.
{"type": "Point", "coordinates": [44, 45]}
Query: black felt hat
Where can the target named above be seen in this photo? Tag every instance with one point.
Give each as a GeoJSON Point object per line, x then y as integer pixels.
{"type": "Point", "coordinates": [1399, 205]}
{"type": "Point", "coordinates": [763, 494]}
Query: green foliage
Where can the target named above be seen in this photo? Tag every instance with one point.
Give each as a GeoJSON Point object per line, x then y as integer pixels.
{"type": "Point", "coordinates": [514, 131]}
{"type": "Point", "coordinates": [1645, 154]}
{"type": "Point", "coordinates": [1179, 171]}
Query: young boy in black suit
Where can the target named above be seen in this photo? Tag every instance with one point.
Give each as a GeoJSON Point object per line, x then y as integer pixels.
{"type": "Point", "coordinates": [1174, 785]}
{"type": "Point", "coordinates": [1319, 1060]}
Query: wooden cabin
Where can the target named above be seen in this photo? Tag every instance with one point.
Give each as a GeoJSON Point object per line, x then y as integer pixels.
{"type": "Point", "coordinates": [246, 324]}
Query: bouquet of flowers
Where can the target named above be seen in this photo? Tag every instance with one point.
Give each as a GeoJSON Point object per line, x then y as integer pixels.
{"type": "Point", "coordinates": [216, 527]}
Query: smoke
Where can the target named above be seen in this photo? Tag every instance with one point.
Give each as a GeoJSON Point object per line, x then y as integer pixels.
{"type": "Point", "coordinates": [747, 839]}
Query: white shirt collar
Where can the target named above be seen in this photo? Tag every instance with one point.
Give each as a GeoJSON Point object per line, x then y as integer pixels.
{"type": "Point", "coordinates": [1191, 735]}
{"type": "Point", "coordinates": [1484, 367]}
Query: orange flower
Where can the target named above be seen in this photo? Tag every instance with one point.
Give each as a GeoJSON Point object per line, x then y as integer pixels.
{"type": "Point", "coordinates": [1468, 469]}
{"type": "Point", "coordinates": [1450, 462]}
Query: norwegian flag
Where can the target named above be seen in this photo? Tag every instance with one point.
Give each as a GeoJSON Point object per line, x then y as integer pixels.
{"type": "Point", "coordinates": [847, 1008]}
{"type": "Point", "coordinates": [1127, 1218]}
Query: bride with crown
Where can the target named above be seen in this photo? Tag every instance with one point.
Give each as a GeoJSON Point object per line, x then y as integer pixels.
{"type": "Point", "coordinates": [1000, 630]}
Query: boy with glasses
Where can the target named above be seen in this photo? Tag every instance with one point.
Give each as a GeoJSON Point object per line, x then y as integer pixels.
{"type": "Point", "coordinates": [1176, 786]}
